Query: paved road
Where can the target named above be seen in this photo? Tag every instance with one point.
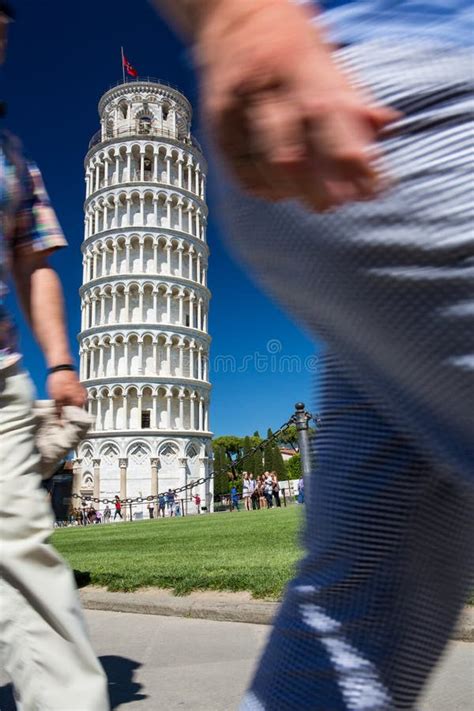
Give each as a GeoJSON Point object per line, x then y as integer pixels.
{"type": "Point", "coordinates": [172, 663]}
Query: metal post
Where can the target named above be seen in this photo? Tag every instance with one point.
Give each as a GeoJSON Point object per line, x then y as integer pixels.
{"type": "Point", "coordinates": [301, 420]}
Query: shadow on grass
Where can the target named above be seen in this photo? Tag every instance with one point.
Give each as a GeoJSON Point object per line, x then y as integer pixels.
{"type": "Point", "coordinates": [122, 687]}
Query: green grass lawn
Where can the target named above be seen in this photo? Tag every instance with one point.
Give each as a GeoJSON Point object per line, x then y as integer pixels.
{"type": "Point", "coordinates": [255, 551]}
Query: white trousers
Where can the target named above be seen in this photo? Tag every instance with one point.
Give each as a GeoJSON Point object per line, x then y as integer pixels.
{"type": "Point", "coordinates": [45, 648]}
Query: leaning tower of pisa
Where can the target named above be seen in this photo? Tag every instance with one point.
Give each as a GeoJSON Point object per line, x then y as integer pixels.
{"type": "Point", "coordinates": [144, 343]}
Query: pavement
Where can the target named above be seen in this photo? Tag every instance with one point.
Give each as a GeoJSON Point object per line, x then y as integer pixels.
{"type": "Point", "coordinates": [213, 605]}
{"type": "Point", "coordinates": [156, 662]}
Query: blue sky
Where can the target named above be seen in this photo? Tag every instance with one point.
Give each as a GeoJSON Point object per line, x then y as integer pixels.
{"type": "Point", "coordinates": [62, 57]}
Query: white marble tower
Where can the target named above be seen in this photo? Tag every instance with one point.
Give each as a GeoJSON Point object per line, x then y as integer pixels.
{"type": "Point", "coordinates": [144, 343]}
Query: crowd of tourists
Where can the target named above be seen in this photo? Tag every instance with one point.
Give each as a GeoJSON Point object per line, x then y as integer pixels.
{"type": "Point", "coordinates": [261, 492]}
{"type": "Point", "coordinates": [166, 505]}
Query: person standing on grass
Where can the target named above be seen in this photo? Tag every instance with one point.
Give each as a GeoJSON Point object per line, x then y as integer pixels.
{"type": "Point", "coordinates": [197, 501]}
{"type": "Point", "coordinates": [268, 489]}
{"type": "Point", "coordinates": [170, 501]}
{"type": "Point", "coordinates": [300, 488]}
{"type": "Point", "coordinates": [247, 491]}
{"type": "Point", "coordinates": [161, 505]}
{"type": "Point", "coordinates": [262, 499]}
{"type": "Point", "coordinates": [254, 494]}
{"type": "Point", "coordinates": [234, 498]}
{"type": "Point", "coordinates": [107, 513]}
{"type": "Point", "coordinates": [151, 509]}
{"type": "Point", "coordinates": [42, 628]}
{"type": "Point", "coordinates": [276, 489]}
{"type": "Point", "coordinates": [118, 507]}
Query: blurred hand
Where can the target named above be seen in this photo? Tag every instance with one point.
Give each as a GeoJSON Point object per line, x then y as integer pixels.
{"type": "Point", "coordinates": [65, 389]}
{"type": "Point", "coordinates": [285, 117]}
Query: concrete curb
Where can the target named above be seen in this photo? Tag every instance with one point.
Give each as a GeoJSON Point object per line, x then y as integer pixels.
{"type": "Point", "coordinates": [195, 605]}
{"type": "Point", "coordinates": [222, 607]}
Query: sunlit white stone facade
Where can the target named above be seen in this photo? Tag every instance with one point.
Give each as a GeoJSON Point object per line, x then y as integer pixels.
{"type": "Point", "coordinates": [144, 343]}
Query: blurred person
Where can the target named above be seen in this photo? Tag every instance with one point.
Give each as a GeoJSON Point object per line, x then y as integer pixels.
{"type": "Point", "coordinates": [253, 495]}
{"type": "Point", "coordinates": [234, 498]}
{"type": "Point", "coordinates": [91, 514]}
{"type": "Point", "coordinates": [361, 111]}
{"type": "Point", "coordinates": [246, 491]}
{"type": "Point", "coordinates": [118, 507]}
{"type": "Point", "coordinates": [107, 513]}
{"type": "Point", "coordinates": [276, 489]}
{"type": "Point", "coordinates": [161, 505]}
{"type": "Point", "coordinates": [268, 489]}
{"type": "Point", "coordinates": [197, 501]}
{"type": "Point", "coordinates": [151, 509]}
{"type": "Point", "coordinates": [262, 499]}
{"type": "Point", "coordinates": [170, 501]}
{"type": "Point", "coordinates": [300, 489]}
{"type": "Point", "coordinates": [45, 647]}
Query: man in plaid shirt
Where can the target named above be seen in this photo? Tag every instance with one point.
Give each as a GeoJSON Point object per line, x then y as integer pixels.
{"type": "Point", "coordinates": [45, 646]}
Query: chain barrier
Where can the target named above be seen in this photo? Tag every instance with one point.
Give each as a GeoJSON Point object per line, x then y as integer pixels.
{"type": "Point", "coordinates": [203, 480]}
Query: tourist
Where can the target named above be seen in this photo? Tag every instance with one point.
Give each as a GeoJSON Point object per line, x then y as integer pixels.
{"type": "Point", "coordinates": [41, 622]}
{"type": "Point", "coordinates": [177, 508]}
{"type": "Point", "coordinates": [118, 508]}
{"type": "Point", "coordinates": [85, 519]}
{"type": "Point", "coordinates": [107, 514]}
{"type": "Point", "coordinates": [247, 491]}
{"type": "Point", "coordinates": [300, 488]}
{"type": "Point", "coordinates": [262, 499]}
{"type": "Point", "coordinates": [276, 489]}
{"type": "Point", "coordinates": [170, 502]}
{"type": "Point", "coordinates": [268, 489]}
{"type": "Point", "coordinates": [234, 498]}
{"type": "Point", "coordinates": [91, 514]}
{"type": "Point", "coordinates": [197, 501]}
{"type": "Point", "coordinates": [254, 493]}
{"type": "Point", "coordinates": [296, 105]}
{"type": "Point", "coordinates": [161, 505]}
{"type": "Point", "coordinates": [151, 509]}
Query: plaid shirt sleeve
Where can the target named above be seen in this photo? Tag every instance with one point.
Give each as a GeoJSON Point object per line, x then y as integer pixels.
{"type": "Point", "coordinates": [36, 224]}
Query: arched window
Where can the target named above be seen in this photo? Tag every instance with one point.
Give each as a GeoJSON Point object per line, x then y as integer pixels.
{"type": "Point", "coordinates": [123, 108]}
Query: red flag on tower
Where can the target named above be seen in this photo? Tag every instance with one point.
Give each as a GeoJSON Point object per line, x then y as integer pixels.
{"type": "Point", "coordinates": [129, 68]}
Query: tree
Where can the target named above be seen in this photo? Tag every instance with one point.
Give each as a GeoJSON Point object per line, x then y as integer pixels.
{"type": "Point", "coordinates": [288, 438]}
{"type": "Point", "coordinates": [293, 467]}
{"type": "Point", "coordinates": [257, 463]}
{"type": "Point", "coordinates": [278, 463]}
{"type": "Point", "coordinates": [248, 464]}
{"type": "Point", "coordinates": [230, 443]}
{"type": "Point", "coordinates": [268, 453]}
{"type": "Point", "coordinates": [221, 466]}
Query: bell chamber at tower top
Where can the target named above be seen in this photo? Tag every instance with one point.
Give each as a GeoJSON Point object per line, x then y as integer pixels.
{"type": "Point", "coordinates": [144, 108]}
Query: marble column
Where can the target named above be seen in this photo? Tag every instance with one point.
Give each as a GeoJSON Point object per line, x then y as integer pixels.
{"type": "Point", "coordinates": [206, 489]}
{"type": "Point", "coordinates": [154, 478]}
{"type": "Point", "coordinates": [123, 464]}
{"type": "Point", "coordinates": [76, 480]}
{"type": "Point", "coordinates": [96, 463]}
{"type": "Point", "coordinates": [183, 480]}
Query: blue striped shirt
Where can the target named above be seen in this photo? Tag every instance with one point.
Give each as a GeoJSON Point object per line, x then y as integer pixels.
{"type": "Point", "coordinates": [442, 21]}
